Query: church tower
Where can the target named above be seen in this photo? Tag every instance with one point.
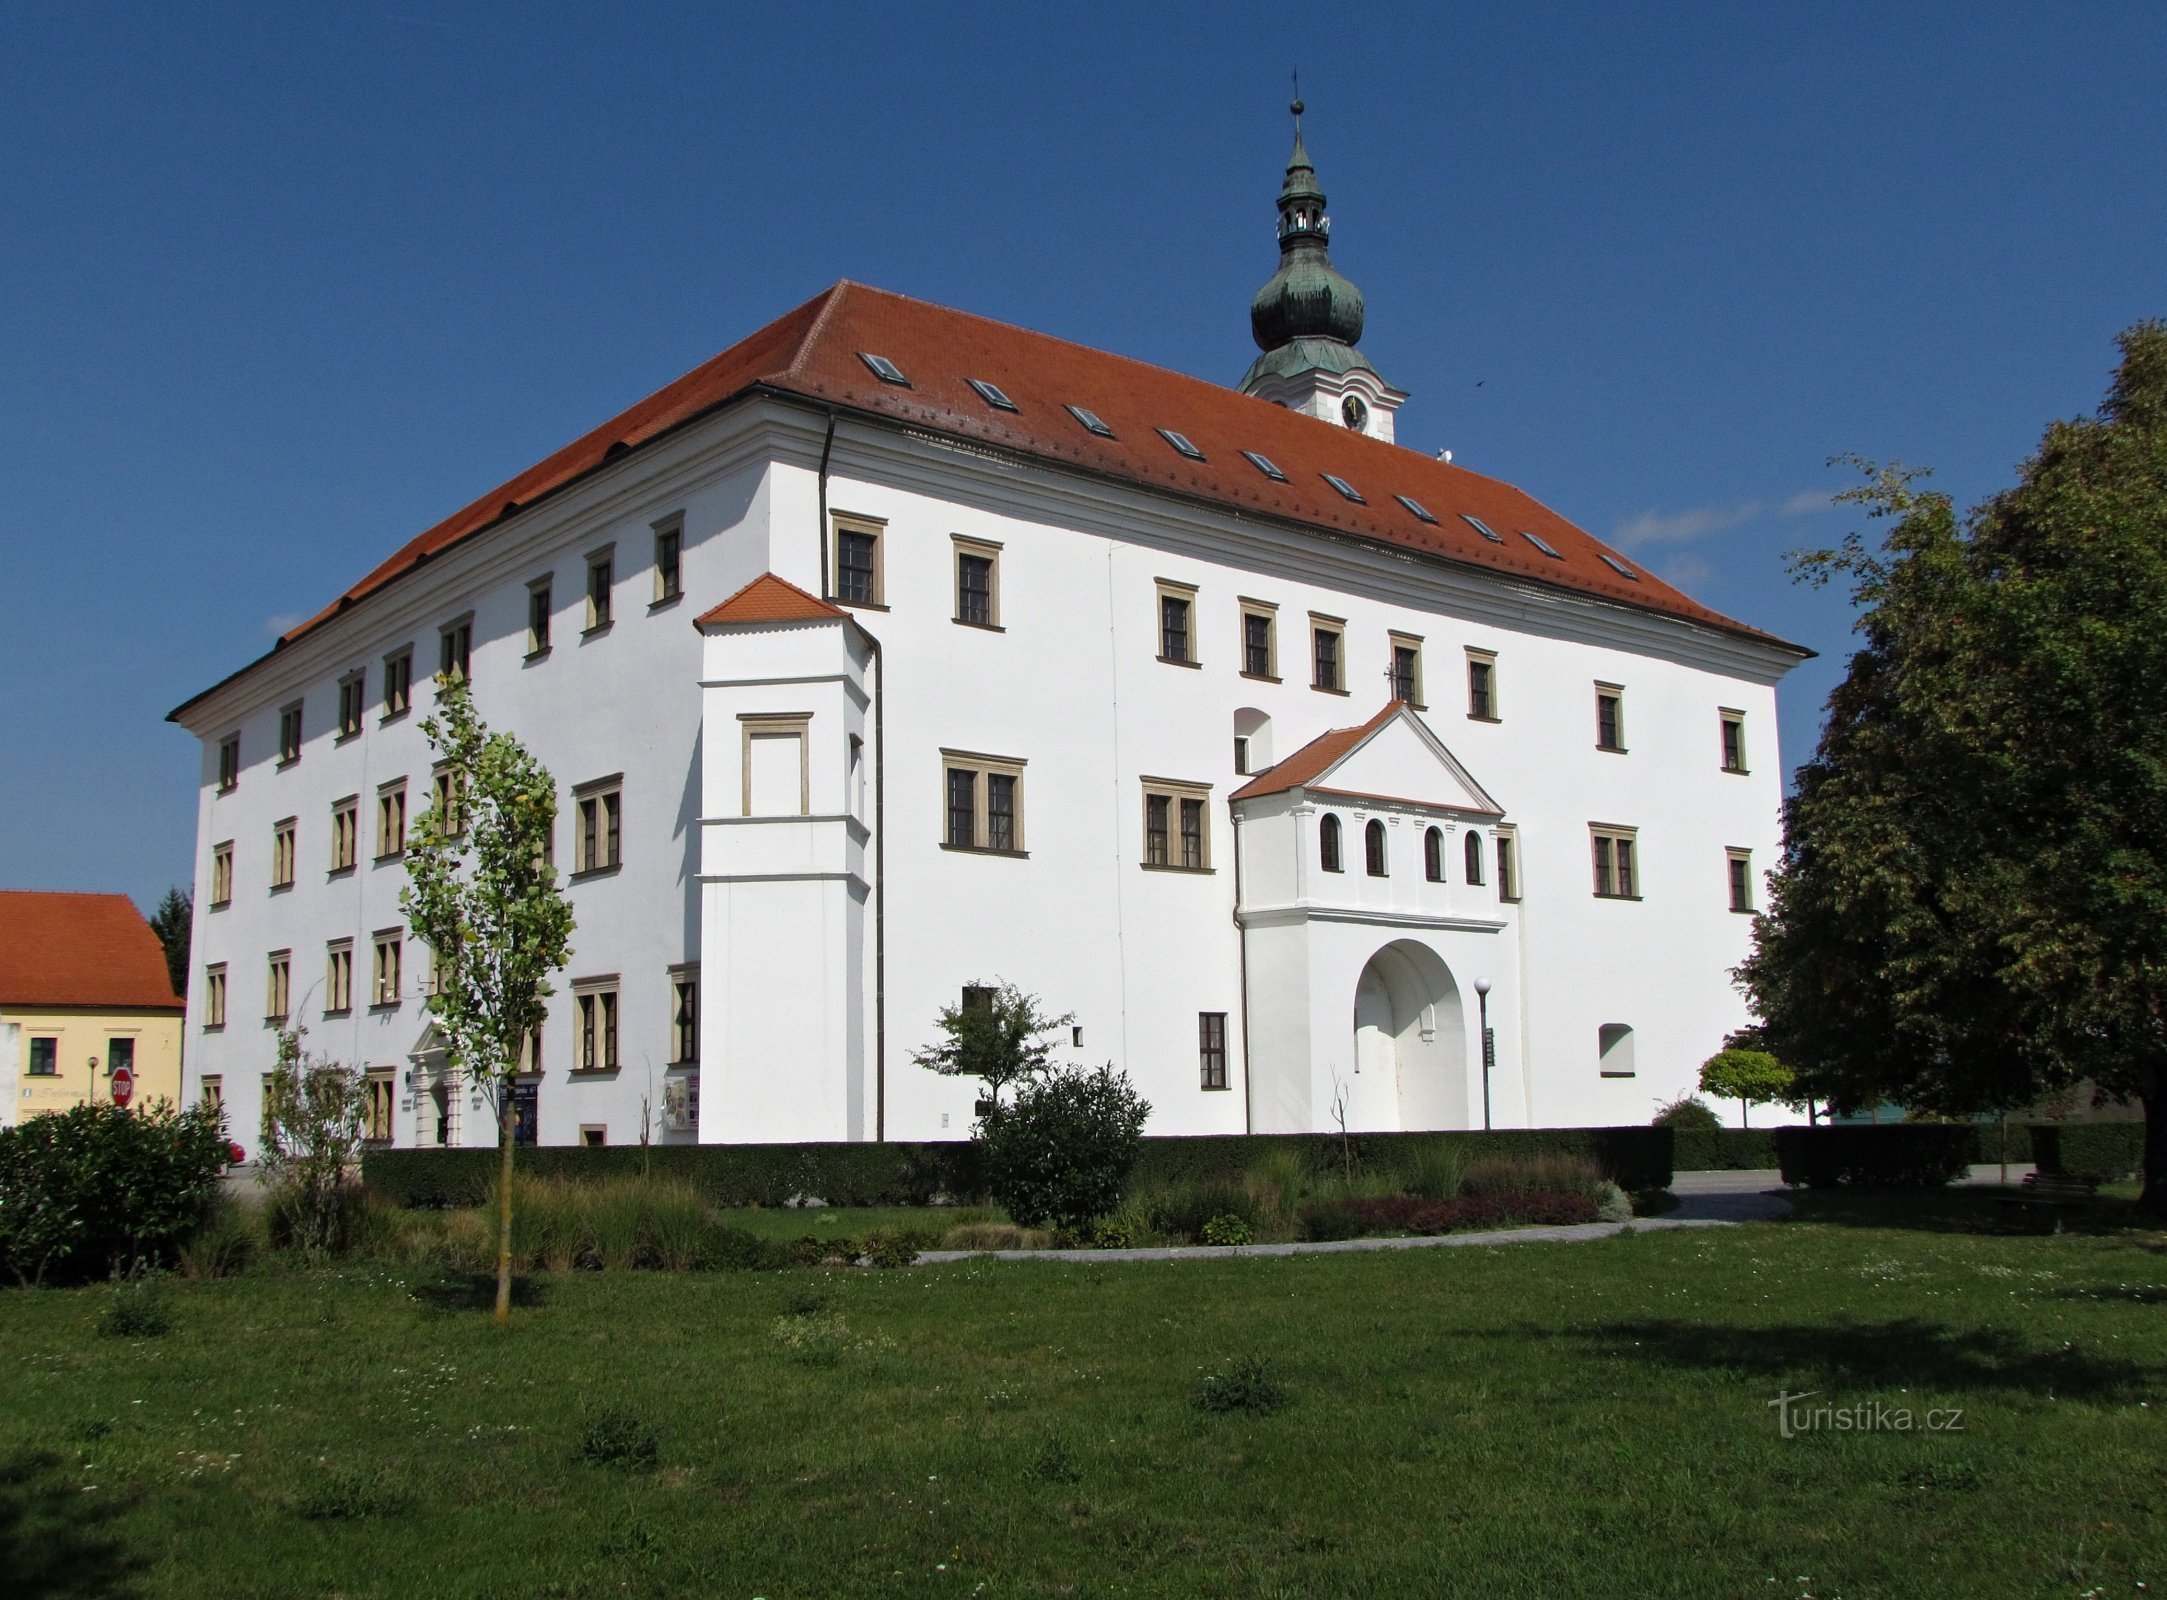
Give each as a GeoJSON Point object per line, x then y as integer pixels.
{"type": "Point", "coordinates": [1307, 319]}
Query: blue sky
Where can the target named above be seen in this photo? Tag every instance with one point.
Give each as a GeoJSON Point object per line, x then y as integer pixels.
{"type": "Point", "coordinates": [280, 286]}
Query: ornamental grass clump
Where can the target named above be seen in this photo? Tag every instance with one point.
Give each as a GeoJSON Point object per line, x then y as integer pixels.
{"type": "Point", "coordinates": [620, 1436]}
{"type": "Point", "coordinates": [1246, 1383]}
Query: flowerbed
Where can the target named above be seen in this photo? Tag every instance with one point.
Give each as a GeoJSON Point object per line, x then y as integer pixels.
{"type": "Point", "coordinates": [1357, 1218]}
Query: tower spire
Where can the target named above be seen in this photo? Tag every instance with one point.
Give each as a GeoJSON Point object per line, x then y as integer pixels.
{"type": "Point", "coordinates": [1308, 316]}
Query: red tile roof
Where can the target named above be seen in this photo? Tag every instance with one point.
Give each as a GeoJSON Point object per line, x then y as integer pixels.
{"type": "Point", "coordinates": [80, 950]}
{"type": "Point", "coordinates": [814, 354]}
{"type": "Point", "coordinates": [1313, 760]}
{"type": "Point", "coordinates": [769, 599]}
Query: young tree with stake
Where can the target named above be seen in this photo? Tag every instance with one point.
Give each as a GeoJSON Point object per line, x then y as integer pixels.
{"type": "Point", "coordinates": [483, 895]}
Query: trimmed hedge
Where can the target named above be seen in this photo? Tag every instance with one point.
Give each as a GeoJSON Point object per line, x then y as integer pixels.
{"type": "Point", "coordinates": [2105, 1152]}
{"type": "Point", "coordinates": [911, 1173]}
{"type": "Point", "coordinates": [1903, 1155]}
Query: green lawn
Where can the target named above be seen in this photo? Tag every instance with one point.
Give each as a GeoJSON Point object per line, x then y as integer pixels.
{"type": "Point", "coordinates": [1539, 1420]}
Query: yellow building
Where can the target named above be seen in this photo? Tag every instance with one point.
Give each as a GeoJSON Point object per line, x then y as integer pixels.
{"type": "Point", "coordinates": [84, 996]}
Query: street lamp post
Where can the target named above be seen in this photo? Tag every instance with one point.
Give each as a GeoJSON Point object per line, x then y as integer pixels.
{"type": "Point", "coordinates": [1489, 1046]}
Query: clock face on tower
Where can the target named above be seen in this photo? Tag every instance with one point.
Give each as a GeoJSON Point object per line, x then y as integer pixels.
{"type": "Point", "coordinates": [1353, 409]}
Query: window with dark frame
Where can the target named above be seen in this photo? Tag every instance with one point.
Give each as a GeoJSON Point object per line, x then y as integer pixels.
{"type": "Point", "coordinates": [398, 683]}
{"type": "Point", "coordinates": [1211, 1048]}
{"type": "Point", "coordinates": [1734, 741]}
{"type": "Point", "coordinates": [45, 1056]}
{"type": "Point", "coordinates": [1174, 627]}
{"type": "Point", "coordinates": [229, 763]}
{"type": "Point", "coordinates": [538, 614]}
{"type": "Point", "coordinates": [1615, 874]}
{"type": "Point", "coordinates": [974, 589]}
{"type": "Point", "coordinates": [1257, 643]}
{"type": "Point", "coordinates": [601, 589]}
{"type": "Point", "coordinates": [962, 807]}
{"type": "Point", "coordinates": [684, 1019]}
{"type": "Point", "coordinates": [978, 996]}
{"type": "Point", "coordinates": [1373, 849]}
{"type": "Point", "coordinates": [1241, 755]}
{"type": "Point", "coordinates": [1177, 830]}
{"type": "Point", "coordinates": [1328, 851]}
{"type": "Point", "coordinates": [601, 830]}
{"type": "Point", "coordinates": [669, 563]}
{"type": "Point", "coordinates": [339, 978]}
{"type": "Point", "coordinates": [1406, 673]}
{"type": "Point", "coordinates": [1739, 864]}
{"type": "Point", "coordinates": [595, 1041]}
{"type": "Point", "coordinates": [455, 651]}
{"type": "Point", "coordinates": [1482, 687]}
{"type": "Point", "coordinates": [857, 570]}
{"type": "Point", "coordinates": [1471, 857]}
{"type": "Point", "coordinates": [1508, 878]}
{"type": "Point", "coordinates": [1157, 812]}
{"type": "Point", "coordinates": [345, 833]}
{"type": "Point", "coordinates": [1325, 658]}
{"type": "Point", "coordinates": [1000, 811]}
{"type": "Point", "coordinates": [289, 735]}
{"type": "Point", "coordinates": [353, 696]}
{"type": "Point", "coordinates": [1433, 855]}
{"type": "Point", "coordinates": [1609, 718]}
{"type": "Point", "coordinates": [1192, 832]}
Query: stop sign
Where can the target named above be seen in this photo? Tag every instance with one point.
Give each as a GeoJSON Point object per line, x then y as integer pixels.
{"type": "Point", "coordinates": [123, 1086]}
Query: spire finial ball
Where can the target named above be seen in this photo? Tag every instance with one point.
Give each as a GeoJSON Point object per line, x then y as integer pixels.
{"type": "Point", "coordinates": [1297, 108]}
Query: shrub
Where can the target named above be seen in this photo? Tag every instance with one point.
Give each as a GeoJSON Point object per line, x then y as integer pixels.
{"type": "Point", "coordinates": [1689, 1113]}
{"type": "Point", "coordinates": [810, 1250]}
{"type": "Point", "coordinates": [94, 1188]}
{"type": "Point", "coordinates": [619, 1436]}
{"type": "Point", "coordinates": [896, 1247]}
{"type": "Point", "coordinates": [1360, 1216]}
{"type": "Point", "coordinates": [1183, 1212]}
{"type": "Point", "coordinates": [1613, 1204]}
{"type": "Point", "coordinates": [1519, 1174]}
{"type": "Point", "coordinates": [138, 1308]}
{"type": "Point", "coordinates": [224, 1243]}
{"type": "Point", "coordinates": [1325, 1219]}
{"type": "Point", "coordinates": [727, 1249]}
{"type": "Point", "coordinates": [313, 1114]}
{"type": "Point", "coordinates": [1113, 1234]}
{"type": "Point", "coordinates": [1245, 1383]}
{"type": "Point", "coordinates": [1226, 1230]}
{"type": "Point", "coordinates": [1903, 1155]}
{"type": "Point", "coordinates": [1061, 1151]}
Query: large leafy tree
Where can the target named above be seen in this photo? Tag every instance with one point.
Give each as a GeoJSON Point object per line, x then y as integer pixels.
{"type": "Point", "coordinates": [1972, 907]}
{"type": "Point", "coordinates": [482, 893]}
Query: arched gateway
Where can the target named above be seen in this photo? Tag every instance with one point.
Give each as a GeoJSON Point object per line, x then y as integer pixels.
{"type": "Point", "coordinates": [1410, 1043]}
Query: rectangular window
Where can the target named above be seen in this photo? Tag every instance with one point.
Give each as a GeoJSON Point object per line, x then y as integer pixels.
{"type": "Point", "coordinates": [345, 832]}
{"type": "Point", "coordinates": [1734, 741]}
{"type": "Point", "coordinates": [1241, 756]}
{"type": "Point", "coordinates": [684, 1016]}
{"type": "Point", "coordinates": [1177, 826]}
{"type": "Point", "coordinates": [398, 683]}
{"type": "Point", "coordinates": [278, 986]}
{"type": "Point", "coordinates": [599, 809]}
{"type": "Point", "coordinates": [1616, 871]}
{"type": "Point", "coordinates": [1407, 669]}
{"type": "Point", "coordinates": [1739, 864]}
{"type": "Point", "coordinates": [229, 763]}
{"type": "Point", "coordinates": [1482, 685]}
{"type": "Point", "coordinates": [1260, 641]}
{"type": "Point", "coordinates": [382, 1089]}
{"type": "Point", "coordinates": [1211, 1048]}
{"type": "Point", "coordinates": [214, 1094]}
{"type": "Point", "coordinates": [857, 561]}
{"type": "Point", "coordinates": [119, 1053]}
{"type": "Point", "coordinates": [222, 873]}
{"type": "Point", "coordinates": [594, 1045]}
{"type": "Point", "coordinates": [455, 649]}
{"type": "Point", "coordinates": [1324, 642]}
{"type": "Point", "coordinates": [669, 561]}
{"type": "Point", "coordinates": [601, 587]}
{"type": "Point", "coordinates": [339, 977]}
{"type": "Point", "coordinates": [289, 734]}
{"type": "Point", "coordinates": [1508, 865]}
{"type": "Point", "coordinates": [979, 996]}
{"type": "Point", "coordinates": [391, 820]}
{"type": "Point", "coordinates": [445, 795]}
{"type": "Point", "coordinates": [282, 853]}
{"type": "Point", "coordinates": [778, 773]}
{"type": "Point", "coordinates": [1177, 617]}
{"type": "Point", "coordinates": [388, 982]}
{"type": "Point", "coordinates": [44, 1057]}
{"type": "Point", "coordinates": [214, 996]}
{"type": "Point", "coordinates": [539, 608]}
{"type": "Point", "coordinates": [1610, 718]}
{"type": "Point", "coordinates": [978, 583]}
{"type": "Point", "coordinates": [353, 695]}
{"type": "Point", "coordinates": [983, 802]}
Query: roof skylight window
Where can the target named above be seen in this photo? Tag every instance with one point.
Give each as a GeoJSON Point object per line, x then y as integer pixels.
{"type": "Point", "coordinates": [884, 369]}
{"type": "Point", "coordinates": [1345, 488]}
{"type": "Point", "coordinates": [1180, 441]}
{"type": "Point", "coordinates": [1091, 421]}
{"type": "Point", "coordinates": [1542, 544]}
{"type": "Point", "coordinates": [991, 394]}
{"type": "Point", "coordinates": [1415, 506]}
{"type": "Point", "coordinates": [1617, 566]}
{"type": "Point", "coordinates": [1265, 465]}
{"type": "Point", "coordinates": [1481, 527]}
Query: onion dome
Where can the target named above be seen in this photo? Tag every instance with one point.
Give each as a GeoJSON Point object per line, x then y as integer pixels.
{"type": "Point", "coordinates": [1306, 298]}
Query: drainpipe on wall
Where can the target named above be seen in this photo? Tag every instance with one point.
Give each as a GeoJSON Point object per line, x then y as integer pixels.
{"type": "Point", "coordinates": [880, 891]}
{"type": "Point", "coordinates": [826, 448]}
{"type": "Point", "coordinates": [1241, 946]}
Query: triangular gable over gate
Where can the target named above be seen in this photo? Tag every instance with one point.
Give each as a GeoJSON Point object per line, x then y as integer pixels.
{"type": "Point", "coordinates": [1392, 757]}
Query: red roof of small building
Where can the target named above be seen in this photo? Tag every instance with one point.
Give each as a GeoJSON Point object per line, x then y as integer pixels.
{"type": "Point", "coordinates": [1314, 759]}
{"type": "Point", "coordinates": [82, 951]}
{"type": "Point", "coordinates": [769, 599]}
{"type": "Point", "coordinates": [816, 353]}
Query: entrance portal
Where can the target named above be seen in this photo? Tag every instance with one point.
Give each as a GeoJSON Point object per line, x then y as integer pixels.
{"type": "Point", "coordinates": [1410, 1044]}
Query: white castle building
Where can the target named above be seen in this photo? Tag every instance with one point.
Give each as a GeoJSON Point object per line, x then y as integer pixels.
{"type": "Point", "coordinates": [895, 651]}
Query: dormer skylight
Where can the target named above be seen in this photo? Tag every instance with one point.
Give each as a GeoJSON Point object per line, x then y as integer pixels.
{"type": "Point", "coordinates": [1346, 489]}
{"type": "Point", "coordinates": [1265, 465]}
{"type": "Point", "coordinates": [1417, 507]}
{"type": "Point", "coordinates": [1617, 566]}
{"type": "Point", "coordinates": [1542, 544]}
{"type": "Point", "coordinates": [1091, 421]}
{"type": "Point", "coordinates": [884, 369]}
{"type": "Point", "coordinates": [1481, 527]}
{"type": "Point", "coordinates": [1181, 442]}
{"type": "Point", "coordinates": [991, 394]}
